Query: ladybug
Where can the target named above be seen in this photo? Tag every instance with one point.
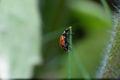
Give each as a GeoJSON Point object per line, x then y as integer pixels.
{"type": "Point", "coordinates": [64, 39]}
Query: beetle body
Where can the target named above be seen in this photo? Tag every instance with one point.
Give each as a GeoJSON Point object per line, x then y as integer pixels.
{"type": "Point", "coordinates": [64, 39]}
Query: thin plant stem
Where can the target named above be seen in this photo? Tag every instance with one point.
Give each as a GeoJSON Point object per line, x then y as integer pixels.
{"type": "Point", "coordinates": [69, 66]}
{"type": "Point", "coordinates": [69, 52]}
{"type": "Point", "coordinates": [81, 67]}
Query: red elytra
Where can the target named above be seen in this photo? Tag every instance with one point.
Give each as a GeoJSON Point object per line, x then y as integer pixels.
{"type": "Point", "coordinates": [62, 42]}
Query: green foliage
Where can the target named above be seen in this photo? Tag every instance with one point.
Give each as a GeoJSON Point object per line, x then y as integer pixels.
{"type": "Point", "coordinates": [89, 15]}
{"type": "Point", "coordinates": [84, 14]}
{"type": "Point", "coordinates": [93, 19]}
{"type": "Point", "coordinates": [21, 38]}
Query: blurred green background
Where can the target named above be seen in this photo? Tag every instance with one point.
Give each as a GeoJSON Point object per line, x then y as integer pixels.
{"type": "Point", "coordinates": [91, 27]}
{"type": "Point", "coordinates": [33, 29]}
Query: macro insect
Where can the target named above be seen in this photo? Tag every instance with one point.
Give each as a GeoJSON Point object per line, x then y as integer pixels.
{"type": "Point", "coordinates": [64, 39]}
